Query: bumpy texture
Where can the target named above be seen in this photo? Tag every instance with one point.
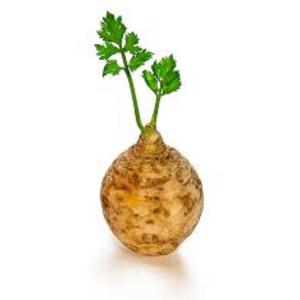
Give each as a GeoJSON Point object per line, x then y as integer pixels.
{"type": "Point", "coordinates": [152, 197]}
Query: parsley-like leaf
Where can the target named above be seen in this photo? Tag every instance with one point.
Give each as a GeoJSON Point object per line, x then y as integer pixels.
{"type": "Point", "coordinates": [112, 68]}
{"type": "Point", "coordinates": [106, 51]}
{"type": "Point", "coordinates": [151, 81]}
{"type": "Point", "coordinates": [131, 43]}
{"type": "Point", "coordinates": [173, 84]}
{"type": "Point", "coordinates": [112, 29]}
{"type": "Point", "coordinates": [139, 59]}
{"type": "Point", "coordinates": [163, 67]}
{"type": "Point", "coordinates": [169, 78]}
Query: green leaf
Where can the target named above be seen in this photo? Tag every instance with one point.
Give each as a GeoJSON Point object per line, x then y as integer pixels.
{"type": "Point", "coordinates": [165, 72]}
{"type": "Point", "coordinates": [106, 51]}
{"type": "Point", "coordinates": [164, 66]}
{"type": "Point", "coordinates": [112, 68]}
{"type": "Point", "coordinates": [112, 29]}
{"type": "Point", "coordinates": [172, 85]}
{"type": "Point", "coordinates": [139, 59]}
{"type": "Point", "coordinates": [150, 80]}
{"type": "Point", "coordinates": [131, 43]}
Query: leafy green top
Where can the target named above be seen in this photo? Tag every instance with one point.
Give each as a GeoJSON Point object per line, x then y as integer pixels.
{"type": "Point", "coordinates": [162, 79]}
{"type": "Point", "coordinates": [112, 33]}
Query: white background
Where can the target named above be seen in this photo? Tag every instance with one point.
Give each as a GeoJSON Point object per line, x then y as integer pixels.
{"type": "Point", "coordinates": [236, 118]}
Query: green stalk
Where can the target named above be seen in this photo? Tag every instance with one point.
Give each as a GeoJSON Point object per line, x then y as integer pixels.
{"type": "Point", "coordinates": [155, 111]}
{"type": "Point", "coordinates": [132, 90]}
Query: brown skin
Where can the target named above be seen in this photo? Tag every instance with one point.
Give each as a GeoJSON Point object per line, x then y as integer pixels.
{"type": "Point", "coordinates": [152, 197]}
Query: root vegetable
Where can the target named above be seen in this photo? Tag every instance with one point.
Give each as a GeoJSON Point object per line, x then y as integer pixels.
{"type": "Point", "coordinates": [151, 196]}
